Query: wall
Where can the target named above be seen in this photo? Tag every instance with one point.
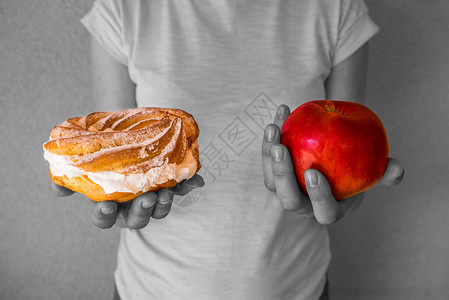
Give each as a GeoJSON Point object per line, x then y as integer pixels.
{"type": "Point", "coordinates": [49, 248]}
{"type": "Point", "coordinates": [395, 247]}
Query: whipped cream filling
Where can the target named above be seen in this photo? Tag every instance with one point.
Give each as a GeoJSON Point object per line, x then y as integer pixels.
{"type": "Point", "coordinates": [111, 182]}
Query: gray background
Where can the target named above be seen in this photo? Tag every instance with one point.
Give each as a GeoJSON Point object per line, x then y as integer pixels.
{"type": "Point", "coordinates": [395, 247]}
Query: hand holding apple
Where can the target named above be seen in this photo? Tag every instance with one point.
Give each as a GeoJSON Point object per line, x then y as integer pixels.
{"type": "Point", "coordinates": [279, 173]}
{"type": "Point", "coordinates": [345, 141]}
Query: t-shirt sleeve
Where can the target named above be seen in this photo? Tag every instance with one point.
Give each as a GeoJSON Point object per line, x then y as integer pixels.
{"type": "Point", "coordinates": [104, 22]}
{"type": "Point", "coordinates": [355, 28]}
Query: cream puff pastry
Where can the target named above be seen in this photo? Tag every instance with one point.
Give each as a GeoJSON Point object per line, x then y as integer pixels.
{"type": "Point", "coordinates": [120, 155]}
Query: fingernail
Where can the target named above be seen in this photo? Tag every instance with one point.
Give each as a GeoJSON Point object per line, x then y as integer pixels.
{"type": "Point", "coordinates": [146, 204]}
{"type": "Point", "coordinates": [280, 111]}
{"type": "Point", "coordinates": [312, 178]}
{"type": "Point", "coordinates": [269, 133]}
{"type": "Point", "coordinates": [400, 177]}
{"type": "Point", "coordinates": [166, 200]}
{"type": "Point", "coordinates": [105, 210]}
{"type": "Point", "coordinates": [278, 153]}
{"type": "Point", "coordinates": [164, 196]}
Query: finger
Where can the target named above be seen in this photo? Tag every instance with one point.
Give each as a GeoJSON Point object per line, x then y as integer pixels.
{"type": "Point", "coordinates": [59, 190]}
{"type": "Point", "coordinates": [283, 111]}
{"type": "Point", "coordinates": [185, 187]}
{"type": "Point", "coordinates": [140, 210]}
{"type": "Point", "coordinates": [394, 173]}
{"type": "Point", "coordinates": [287, 188]}
{"type": "Point", "coordinates": [195, 181]}
{"type": "Point", "coordinates": [325, 207]}
{"type": "Point", "coordinates": [163, 205]}
{"type": "Point", "coordinates": [104, 214]}
{"type": "Point", "coordinates": [181, 189]}
{"type": "Point", "coordinates": [272, 135]}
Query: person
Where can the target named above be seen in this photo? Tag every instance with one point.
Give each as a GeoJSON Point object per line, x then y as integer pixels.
{"type": "Point", "coordinates": [241, 228]}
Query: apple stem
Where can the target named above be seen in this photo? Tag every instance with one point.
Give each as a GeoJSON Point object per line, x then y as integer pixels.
{"type": "Point", "coordinates": [330, 108]}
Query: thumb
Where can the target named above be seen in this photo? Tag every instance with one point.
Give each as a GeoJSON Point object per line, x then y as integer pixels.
{"type": "Point", "coordinates": [325, 207]}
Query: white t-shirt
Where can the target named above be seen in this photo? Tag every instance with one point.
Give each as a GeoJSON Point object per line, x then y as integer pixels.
{"type": "Point", "coordinates": [229, 63]}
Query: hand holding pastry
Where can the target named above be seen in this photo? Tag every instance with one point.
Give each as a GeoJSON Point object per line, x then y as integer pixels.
{"type": "Point", "coordinates": [136, 213]}
{"type": "Point", "coordinates": [141, 154]}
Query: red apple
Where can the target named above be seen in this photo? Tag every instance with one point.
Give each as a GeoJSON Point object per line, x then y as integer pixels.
{"type": "Point", "coordinates": [345, 141]}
